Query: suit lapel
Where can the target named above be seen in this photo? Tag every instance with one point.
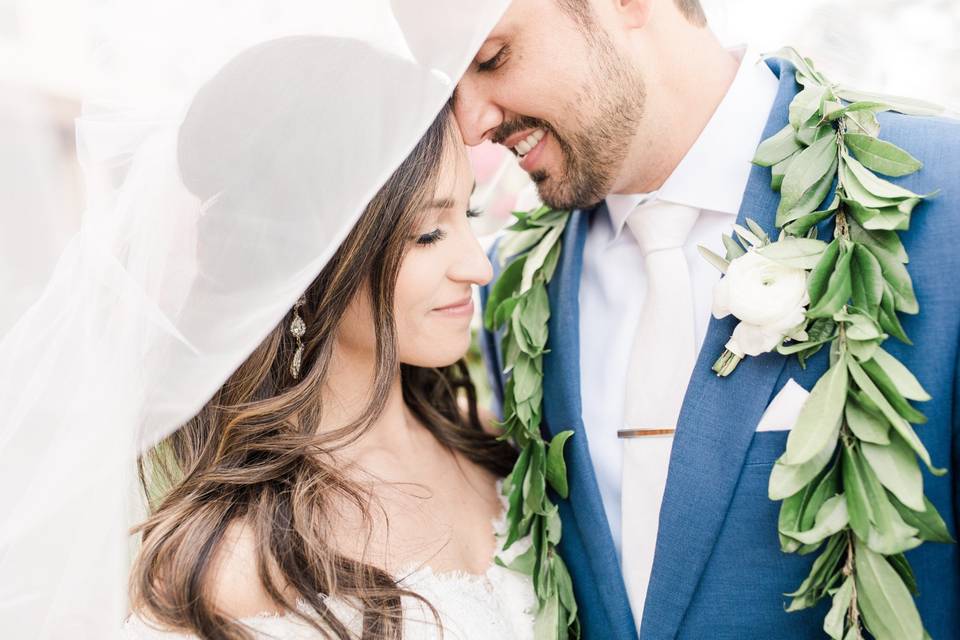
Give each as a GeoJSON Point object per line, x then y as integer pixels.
{"type": "Point", "coordinates": [562, 410]}
{"type": "Point", "coordinates": [716, 425]}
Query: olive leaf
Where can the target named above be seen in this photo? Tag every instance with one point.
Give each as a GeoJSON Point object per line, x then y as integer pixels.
{"type": "Point", "coordinates": [905, 382]}
{"type": "Point", "coordinates": [778, 171]}
{"type": "Point", "coordinates": [538, 256]}
{"type": "Point", "coordinates": [777, 147]}
{"type": "Point", "coordinates": [888, 609]}
{"type": "Point", "coordinates": [886, 240]}
{"type": "Point", "coordinates": [797, 225]}
{"type": "Point", "coordinates": [799, 511]}
{"type": "Point", "coordinates": [556, 467]}
{"type": "Point", "coordinates": [909, 106]}
{"type": "Point", "coordinates": [720, 263]}
{"type": "Point", "coordinates": [928, 521]}
{"type": "Point", "coordinates": [747, 237]}
{"type": "Point", "coordinates": [896, 276]}
{"type": "Point", "coordinates": [881, 156]}
{"type": "Point", "coordinates": [896, 468]}
{"type": "Point", "coordinates": [805, 104]}
{"type": "Point", "coordinates": [833, 623]}
{"type": "Point", "coordinates": [734, 250]}
{"type": "Point", "coordinates": [502, 290]}
{"type": "Point", "coordinates": [864, 121]}
{"type": "Point", "coordinates": [800, 253]}
{"type": "Point", "coordinates": [823, 575]}
{"type": "Point", "coordinates": [866, 280]}
{"type": "Point", "coordinates": [786, 480]}
{"type": "Point", "coordinates": [818, 424]}
{"type": "Point", "coordinates": [866, 425]}
{"type": "Point", "coordinates": [838, 291]}
{"type": "Point", "coordinates": [819, 278]}
{"type": "Point", "coordinates": [892, 394]}
{"type": "Point", "coordinates": [806, 170]}
{"type": "Point", "coordinates": [519, 242]}
{"type": "Point", "coordinates": [831, 518]}
{"type": "Point", "coordinates": [899, 424]}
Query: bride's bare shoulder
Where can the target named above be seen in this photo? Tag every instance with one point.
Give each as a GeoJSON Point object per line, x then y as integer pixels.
{"type": "Point", "coordinates": [232, 586]}
{"type": "Point", "coordinates": [233, 583]}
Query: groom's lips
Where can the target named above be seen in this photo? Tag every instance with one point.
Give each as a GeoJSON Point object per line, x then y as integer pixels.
{"type": "Point", "coordinates": [529, 161]}
{"type": "Point", "coordinates": [513, 140]}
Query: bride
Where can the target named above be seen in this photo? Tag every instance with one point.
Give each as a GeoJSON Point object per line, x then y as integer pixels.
{"type": "Point", "coordinates": [341, 479]}
{"type": "Point", "coordinates": [265, 311]}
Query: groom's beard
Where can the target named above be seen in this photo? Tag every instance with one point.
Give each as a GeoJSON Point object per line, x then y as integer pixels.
{"type": "Point", "coordinates": [605, 115]}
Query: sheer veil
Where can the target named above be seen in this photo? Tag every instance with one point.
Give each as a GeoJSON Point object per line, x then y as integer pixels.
{"type": "Point", "coordinates": [190, 251]}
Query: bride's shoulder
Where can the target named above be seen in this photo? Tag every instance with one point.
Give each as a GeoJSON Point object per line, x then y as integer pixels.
{"type": "Point", "coordinates": [233, 582]}
{"type": "Point", "coordinates": [232, 586]}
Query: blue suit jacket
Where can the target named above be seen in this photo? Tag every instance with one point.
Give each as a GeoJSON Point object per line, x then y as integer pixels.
{"type": "Point", "coordinates": [718, 571]}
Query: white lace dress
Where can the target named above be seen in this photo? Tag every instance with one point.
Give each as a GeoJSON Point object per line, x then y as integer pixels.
{"type": "Point", "coordinates": [497, 605]}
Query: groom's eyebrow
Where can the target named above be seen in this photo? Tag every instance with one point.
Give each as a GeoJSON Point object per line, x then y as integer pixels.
{"type": "Point", "coordinates": [448, 203]}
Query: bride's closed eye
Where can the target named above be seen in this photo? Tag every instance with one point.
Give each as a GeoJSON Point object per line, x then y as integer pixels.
{"type": "Point", "coordinates": [439, 234]}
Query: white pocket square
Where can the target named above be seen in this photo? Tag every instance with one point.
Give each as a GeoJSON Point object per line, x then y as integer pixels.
{"type": "Point", "coordinates": [784, 409]}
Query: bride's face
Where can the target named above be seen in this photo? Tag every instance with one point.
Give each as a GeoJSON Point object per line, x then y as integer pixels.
{"type": "Point", "coordinates": [433, 299]}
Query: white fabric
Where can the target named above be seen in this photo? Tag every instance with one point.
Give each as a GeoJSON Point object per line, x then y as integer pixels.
{"type": "Point", "coordinates": [228, 147]}
{"type": "Point", "coordinates": [782, 412]}
{"type": "Point", "coordinates": [664, 345]}
{"type": "Point", "coordinates": [661, 360]}
{"type": "Point", "coordinates": [494, 606]}
{"type": "Point", "coordinates": [711, 177]}
{"type": "Point", "coordinates": [497, 605]}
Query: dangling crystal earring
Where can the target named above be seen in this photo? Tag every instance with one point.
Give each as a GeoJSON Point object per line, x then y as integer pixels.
{"type": "Point", "coordinates": [298, 328]}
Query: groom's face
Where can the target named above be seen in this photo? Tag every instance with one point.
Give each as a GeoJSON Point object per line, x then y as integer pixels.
{"type": "Point", "coordinates": [551, 86]}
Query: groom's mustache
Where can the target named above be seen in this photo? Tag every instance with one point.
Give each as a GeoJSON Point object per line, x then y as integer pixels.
{"type": "Point", "coordinates": [507, 129]}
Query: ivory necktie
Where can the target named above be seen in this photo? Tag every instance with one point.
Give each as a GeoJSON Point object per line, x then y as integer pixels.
{"type": "Point", "coordinates": [661, 361]}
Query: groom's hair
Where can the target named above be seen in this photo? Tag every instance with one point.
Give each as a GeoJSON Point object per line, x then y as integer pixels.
{"type": "Point", "coordinates": [582, 14]}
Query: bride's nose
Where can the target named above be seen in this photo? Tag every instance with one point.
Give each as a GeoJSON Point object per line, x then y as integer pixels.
{"type": "Point", "coordinates": [470, 263]}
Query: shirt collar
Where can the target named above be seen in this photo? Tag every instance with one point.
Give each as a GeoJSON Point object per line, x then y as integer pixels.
{"type": "Point", "coordinates": [713, 174]}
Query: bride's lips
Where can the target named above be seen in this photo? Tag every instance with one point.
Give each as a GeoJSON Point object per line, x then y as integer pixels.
{"type": "Point", "coordinates": [457, 309]}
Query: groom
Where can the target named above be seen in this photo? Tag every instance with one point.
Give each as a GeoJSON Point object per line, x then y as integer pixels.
{"type": "Point", "coordinates": [631, 114]}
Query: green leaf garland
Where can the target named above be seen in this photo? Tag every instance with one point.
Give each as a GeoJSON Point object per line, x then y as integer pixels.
{"type": "Point", "coordinates": [518, 305]}
{"type": "Point", "coordinates": [850, 479]}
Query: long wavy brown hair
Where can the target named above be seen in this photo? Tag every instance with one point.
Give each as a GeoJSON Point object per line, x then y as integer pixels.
{"type": "Point", "coordinates": [254, 453]}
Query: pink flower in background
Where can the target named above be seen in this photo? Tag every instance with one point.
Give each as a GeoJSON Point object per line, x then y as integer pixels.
{"type": "Point", "coordinates": [499, 181]}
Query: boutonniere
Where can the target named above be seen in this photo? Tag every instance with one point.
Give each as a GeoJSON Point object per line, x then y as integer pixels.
{"type": "Point", "coordinates": [764, 286]}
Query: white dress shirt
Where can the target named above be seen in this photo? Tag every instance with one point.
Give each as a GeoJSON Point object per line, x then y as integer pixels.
{"type": "Point", "coordinates": [711, 177]}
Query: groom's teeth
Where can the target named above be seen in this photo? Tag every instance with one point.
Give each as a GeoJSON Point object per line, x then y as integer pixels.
{"type": "Point", "coordinates": [524, 146]}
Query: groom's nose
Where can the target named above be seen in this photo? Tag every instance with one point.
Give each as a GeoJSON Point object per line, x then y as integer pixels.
{"type": "Point", "coordinates": [477, 115]}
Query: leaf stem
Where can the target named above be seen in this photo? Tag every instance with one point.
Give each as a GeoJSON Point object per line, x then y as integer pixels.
{"type": "Point", "coordinates": [853, 612]}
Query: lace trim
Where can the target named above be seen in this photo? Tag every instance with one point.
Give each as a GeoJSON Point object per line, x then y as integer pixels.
{"type": "Point", "coordinates": [414, 574]}
{"type": "Point", "coordinates": [495, 588]}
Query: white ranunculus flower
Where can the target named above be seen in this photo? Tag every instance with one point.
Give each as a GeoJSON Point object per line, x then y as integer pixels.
{"type": "Point", "coordinates": [768, 297]}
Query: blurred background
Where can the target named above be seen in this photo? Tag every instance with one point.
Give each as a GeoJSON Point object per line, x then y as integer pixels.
{"type": "Point", "coordinates": [48, 50]}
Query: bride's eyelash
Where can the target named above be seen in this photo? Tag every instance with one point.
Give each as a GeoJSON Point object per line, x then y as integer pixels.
{"type": "Point", "coordinates": [433, 237]}
{"type": "Point", "coordinates": [439, 234]}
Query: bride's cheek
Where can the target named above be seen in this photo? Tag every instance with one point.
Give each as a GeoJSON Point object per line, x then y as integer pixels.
{"type": "Point", "coordinates": [412, 301]}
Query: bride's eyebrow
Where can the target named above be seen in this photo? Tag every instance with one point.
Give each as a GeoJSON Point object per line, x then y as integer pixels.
{"type": "Point", "coordinates": [448, 203]}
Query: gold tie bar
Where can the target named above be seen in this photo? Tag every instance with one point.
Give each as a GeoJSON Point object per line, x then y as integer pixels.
{"type": "Point", "coordinates": [642, 433]}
